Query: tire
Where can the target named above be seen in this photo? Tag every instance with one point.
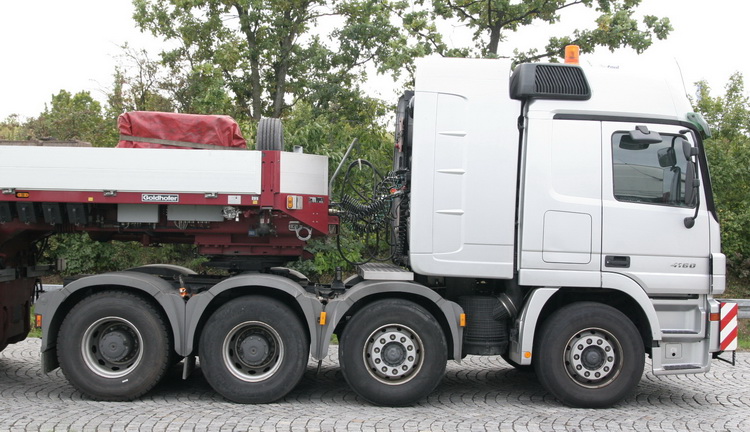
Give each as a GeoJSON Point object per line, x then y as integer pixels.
{"type": "Point", "coordinates": [270, 134]}
{"type": "Point", "coordinates": [383, 370]}
{"type": "Point", "coordinates": [114, 346]}
{"type": "Point", "coordinates": [516, 366]}
{"type": "Point", "coordinates": [254, 349]}
{"type": "Point", "coordinates": [589, 355]}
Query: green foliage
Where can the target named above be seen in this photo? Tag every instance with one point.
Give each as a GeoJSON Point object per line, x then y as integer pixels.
{"type": "Point", "coordinates": [328, 130]}
{"type": "Point", "coordinates": [12, 129]}
{"type": "Point", "coordinates": [271, 54]}
{"type": "Point", "coordinates": [139, 84]}
{"type": "Point", "coordinates": [728, 153]}
{"type": "Point", "coordinates": [73, 117]}
{"type": "Point", "coordinates": [200, 90]}
{"type": "Point", "coordinates": [83, 255]}
{"type": "Point", "coordinates": [35, 332]}
{"type": "Point", "coordinates": [491, 20]}
{"type": "Point", "coordinates": [326, 258]}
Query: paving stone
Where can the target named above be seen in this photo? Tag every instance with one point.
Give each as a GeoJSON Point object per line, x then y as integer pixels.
{"type": "Point", "coordinates": [480, 394]}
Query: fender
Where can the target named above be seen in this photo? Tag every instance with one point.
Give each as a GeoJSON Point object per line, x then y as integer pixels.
{"type": "Point", "coordinates": [49, 306]}
{"type": "Point", "coordinates": [528, 319]}
{"type": "Point", "coordinates": [197, 305]}
{"type": "Point", "coordinates": [526, 325]}
{"type": "Point", "coordinates": [630, 287]}
{"type": "Point", "coordinates": [337, 308]}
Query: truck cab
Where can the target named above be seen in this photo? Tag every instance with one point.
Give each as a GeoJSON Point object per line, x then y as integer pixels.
{"type": "Point", "coordinates": [584, 193]}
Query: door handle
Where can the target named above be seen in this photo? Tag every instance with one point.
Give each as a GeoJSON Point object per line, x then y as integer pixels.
{"type": "Point", "coordinates": [617, 261]}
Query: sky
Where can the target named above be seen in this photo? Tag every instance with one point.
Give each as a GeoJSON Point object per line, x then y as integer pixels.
{"type": "Point", "coordinates": [49, 45]}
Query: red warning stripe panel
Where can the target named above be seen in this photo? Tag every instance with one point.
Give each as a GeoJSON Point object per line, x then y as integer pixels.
{"type": "Point", "coordinates": [728, 326]}
{"type": "Point", "coordinates": [729, 343]}
{"type": "Point", "coordinates": [729, 312]}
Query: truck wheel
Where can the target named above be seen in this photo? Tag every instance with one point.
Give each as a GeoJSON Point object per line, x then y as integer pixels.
{"type": "Point", "coordinates": [253, 350]}
{"type": "Point", "coordinates": [393, 352]}
{"type": "Point", "coordinates": [270, 134]}
{"type": "Point", "coordinates": [589, 355]}
{"type": "Point", "coordinates": [114, 346]}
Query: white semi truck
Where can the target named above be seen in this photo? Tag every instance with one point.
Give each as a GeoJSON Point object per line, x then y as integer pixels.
{"type": "Point", "coordinates": [558, 216]}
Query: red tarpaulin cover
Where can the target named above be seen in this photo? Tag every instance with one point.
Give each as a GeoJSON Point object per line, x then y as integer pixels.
{"type": "Point", "coordinates": [205, 131]}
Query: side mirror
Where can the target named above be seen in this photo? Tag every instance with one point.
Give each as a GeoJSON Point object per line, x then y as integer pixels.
{"type": "Point", "coordinates": [688, 150]}
{"type": "Point", "coordinates": [667, 157]}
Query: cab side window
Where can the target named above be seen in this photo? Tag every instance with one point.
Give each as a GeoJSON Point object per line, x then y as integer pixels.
{"type": "Point", "coordinates": [652, 173]}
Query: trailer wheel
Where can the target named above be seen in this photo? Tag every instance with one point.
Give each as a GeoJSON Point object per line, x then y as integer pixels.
{"type": "Point", "coordinates": [589, 355]}
{"type": "Point", "coordinates": [114, 346]}
{"type": "Point", "coordinates": [393, 352]}
{"type": "Point", "coordinates": [270, 134]}
{"type": "Point", "coordinates": [253, 350]}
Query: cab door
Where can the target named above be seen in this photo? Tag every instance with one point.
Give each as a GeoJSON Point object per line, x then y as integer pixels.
{"type": "Point", "coordinates": [647, 195]}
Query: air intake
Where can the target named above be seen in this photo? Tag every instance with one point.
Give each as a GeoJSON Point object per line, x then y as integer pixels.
{"type": "Point", "coordinates": [549, 81]}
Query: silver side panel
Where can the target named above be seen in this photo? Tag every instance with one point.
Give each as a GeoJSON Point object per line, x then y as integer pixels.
{"type": "Point", "coordinates": [304, 174]}
{"type": "Point", "coordinates": [383, 271]}
{"type": "Point", "coordinates": [130, 169]}
{"type": "Point", "coordinates": [464, 164]}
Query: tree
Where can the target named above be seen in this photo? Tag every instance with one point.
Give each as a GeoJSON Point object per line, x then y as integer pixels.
{"type": "Point", "coordinates": [73, 117]}
{"type": "Point", "coordinates": [138, 84]}
{"type": "Point", "coordinates": [491, 20]}
{"type": "Point", "coordinates": [728, 153]}
{"type": "Point", "coordinates": [12, 129]}
{"type": "Point", "coordinates": [271, 54]}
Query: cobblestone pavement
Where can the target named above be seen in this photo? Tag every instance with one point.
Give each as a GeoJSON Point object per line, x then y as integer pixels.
{"type": "Point", "coordinates": [482, 393]}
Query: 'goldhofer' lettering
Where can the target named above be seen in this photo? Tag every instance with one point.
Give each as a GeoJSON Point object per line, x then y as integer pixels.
{"type": "Point", "coordinates": [170, 198]}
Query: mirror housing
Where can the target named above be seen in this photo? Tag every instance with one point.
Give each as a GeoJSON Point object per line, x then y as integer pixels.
{"type": "Point", "coordinates": [639, 139]}
{"type": "Point", "coordinates": [688, 150]}
{"type": "Point", "coordinates": [667, 157]}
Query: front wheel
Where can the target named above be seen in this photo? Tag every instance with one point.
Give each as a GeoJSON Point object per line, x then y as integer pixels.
{"type": "Point", "coordinates": [114, 346]}
{"type": "Point", "coordinates": [253, 349]}
{"type": "Point", "coordinates": [393, 352]}
{"type": "Point", "coordinates": [589, 355]}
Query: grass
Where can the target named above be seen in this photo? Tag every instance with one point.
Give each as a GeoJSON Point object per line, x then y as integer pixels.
{"type": "Point", "coordinates": [744, 335]}
{"type": "Point", "coordinates": [35, 332]}
{"type": "Point", "coordinates": [738, 288]}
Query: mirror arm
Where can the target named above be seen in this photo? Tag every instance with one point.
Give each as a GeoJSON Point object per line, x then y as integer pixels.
{"type": "Point", "coordinates": [690, 220]}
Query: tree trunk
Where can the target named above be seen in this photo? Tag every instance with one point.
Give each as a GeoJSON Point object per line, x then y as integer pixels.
{"type": "Point", "coordinates": [250, 37]}
{"type": "Point", "coordinates": [492, 47]}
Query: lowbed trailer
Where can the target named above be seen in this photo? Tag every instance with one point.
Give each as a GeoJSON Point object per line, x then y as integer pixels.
{"type": "Point", "coordinates": [559, 217]}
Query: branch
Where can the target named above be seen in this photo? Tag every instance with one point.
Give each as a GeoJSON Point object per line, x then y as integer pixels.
{"type": "Point", "coordinates": [537, 11]}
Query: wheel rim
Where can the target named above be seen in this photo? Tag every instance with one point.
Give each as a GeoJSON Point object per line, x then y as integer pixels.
{"type": "Point", "coordinates": [253, 351]}
{"type": "Point", "coordinates": [112, 347]}
{"type": "Point", "coordinates": [593, 358]}
{"type": "Point", "coordinates": [393, 354]}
